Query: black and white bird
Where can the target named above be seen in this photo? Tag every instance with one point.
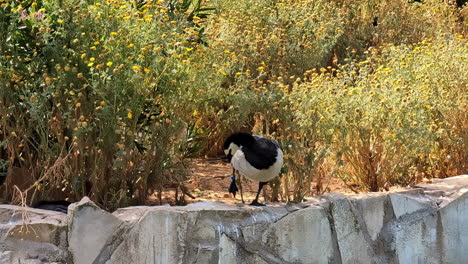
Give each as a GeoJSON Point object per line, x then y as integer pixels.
{"type": "Point", "coordinates": [255, 157]}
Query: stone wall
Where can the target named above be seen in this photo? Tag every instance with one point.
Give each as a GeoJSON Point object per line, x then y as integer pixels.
{"type": "Point", "coordinates": [428, 224]}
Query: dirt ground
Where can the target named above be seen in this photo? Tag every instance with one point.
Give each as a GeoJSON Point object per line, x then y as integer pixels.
{"type": "Point", "coordinates": [210, 179]}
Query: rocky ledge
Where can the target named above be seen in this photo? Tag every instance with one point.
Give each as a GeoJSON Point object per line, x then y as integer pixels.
{"type": "Point", "coordinates": [427, 224]}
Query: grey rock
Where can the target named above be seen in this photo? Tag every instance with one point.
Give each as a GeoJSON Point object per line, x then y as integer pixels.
{"type": "Point", "coordinates": [350, 234]}
{"type": "Point", "coordinates": [408, 203]}
{"type": "Point", "coordinates": [89, 230]}
{"type": "Point", "coordinates": [422, 225]}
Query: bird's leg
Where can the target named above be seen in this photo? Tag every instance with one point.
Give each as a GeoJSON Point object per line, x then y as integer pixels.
{"type": "Point", "coordinates": [240, 186]}
{"type": "Point", "coordinates": [233, 187]}
{"type": "Point", "coordinates": [255, 202]}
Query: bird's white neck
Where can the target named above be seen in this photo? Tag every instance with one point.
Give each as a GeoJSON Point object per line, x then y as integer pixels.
{"type": "Point", "coordinates": [231, 149]}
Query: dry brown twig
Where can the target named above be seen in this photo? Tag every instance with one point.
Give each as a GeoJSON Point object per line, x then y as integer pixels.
{"type": "Point", "coordinates": [20, 197]}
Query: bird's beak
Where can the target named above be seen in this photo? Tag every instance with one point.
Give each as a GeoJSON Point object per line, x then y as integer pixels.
{"type": "Point", "coordinates": [228, 158]}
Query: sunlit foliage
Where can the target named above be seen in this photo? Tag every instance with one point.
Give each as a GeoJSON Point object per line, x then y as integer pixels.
{"type": "Point", "coordinates": [107, 98]}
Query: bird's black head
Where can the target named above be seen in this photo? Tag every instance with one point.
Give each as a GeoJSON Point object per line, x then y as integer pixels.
{"type": "Point", "coordinates": [235, 141]}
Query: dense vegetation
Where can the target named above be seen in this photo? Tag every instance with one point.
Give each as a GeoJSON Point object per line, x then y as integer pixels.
{"type": "Point", "coordinates": [108, 98]}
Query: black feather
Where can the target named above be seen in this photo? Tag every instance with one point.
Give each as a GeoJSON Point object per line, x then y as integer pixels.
{"type": "Point", "coordinates": [240, 139]}
{"type": "Point", "coordinates": [262, 154]}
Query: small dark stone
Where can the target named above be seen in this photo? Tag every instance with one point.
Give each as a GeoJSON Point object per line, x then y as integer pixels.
{"type": "Point", "coordinates": [58, 206]}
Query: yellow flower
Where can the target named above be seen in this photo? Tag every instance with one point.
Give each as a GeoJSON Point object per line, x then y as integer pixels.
{"type": "Point", "coordinates": [113, 33]}
{"type": "Point", "coordinates": [83, 55]}
{"type": "Point", "coordinates": [90, 64]}
{"type": "Point", "coordinates": [131, 45]}
{"type": "Point", "coordinates": [147, 70]}
{"type": "Point", "coordinates": [92, 59]}
{"type": "Point", "coordinates": [97, 43]}
{"type": "Point", "coordinates": [60, 21]}
{"type": "Point", "coordinates": [109, 63]}
{"type": "Point", "coordinates": [129, 115]}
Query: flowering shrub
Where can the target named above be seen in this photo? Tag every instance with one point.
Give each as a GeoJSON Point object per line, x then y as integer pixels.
{"type": "Point", "coordinates": [106, 99]}
{"type": "Point", "coordinates": [96, 87]}
{"type": "Point", "coordinates": [261, 50]}
{"type": "Point", "coordinates": [396, 117]}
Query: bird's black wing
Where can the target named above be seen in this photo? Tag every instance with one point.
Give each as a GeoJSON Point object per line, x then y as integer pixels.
{"type": "Point", "coordinates": [262, 154]}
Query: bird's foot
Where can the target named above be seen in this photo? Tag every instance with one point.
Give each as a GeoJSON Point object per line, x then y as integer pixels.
{"type": "Point", "coordinates": [233, 188]}
{"type": "Point", "coordinates": [256, 203]}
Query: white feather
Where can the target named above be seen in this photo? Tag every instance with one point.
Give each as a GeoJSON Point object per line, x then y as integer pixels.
{"type": "Point", "coordinates": [231, 149]}
{"type": "Point", "coordinates": [239, 163]}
